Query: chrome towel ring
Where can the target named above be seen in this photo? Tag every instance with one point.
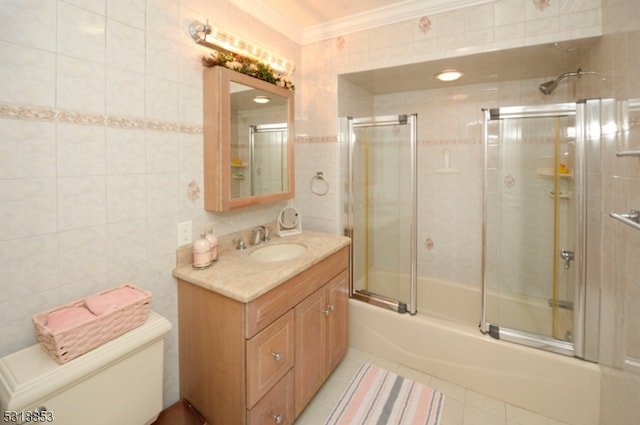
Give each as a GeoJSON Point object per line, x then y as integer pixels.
{"type": "Point", "coordinates": [319, 185]}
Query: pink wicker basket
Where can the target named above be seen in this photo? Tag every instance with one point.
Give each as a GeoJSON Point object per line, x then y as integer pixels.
{"type": "Point", "coordinates": [77, 340]}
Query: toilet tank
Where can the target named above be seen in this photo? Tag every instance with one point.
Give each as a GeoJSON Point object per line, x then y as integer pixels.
{"type": "Point", "coordinates": [119, 382]}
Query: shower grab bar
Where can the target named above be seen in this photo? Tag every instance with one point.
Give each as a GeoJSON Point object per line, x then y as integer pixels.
{"type": "Point", "coordinates": [631, 219]}
{"type": "Point", "coordinates": [628, 153]}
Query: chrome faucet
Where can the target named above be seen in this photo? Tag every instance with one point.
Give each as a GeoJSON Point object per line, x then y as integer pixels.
{"type": "Point", "coordinates": [256, 237]}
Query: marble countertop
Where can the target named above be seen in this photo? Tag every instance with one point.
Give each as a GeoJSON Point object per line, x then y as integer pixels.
{"type": "Point", "coordinates": [238, 276]}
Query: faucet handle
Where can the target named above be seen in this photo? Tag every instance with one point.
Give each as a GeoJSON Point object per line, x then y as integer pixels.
{"type": "Point", "coordinates": [240, 244]}
{"type": "Point", "coordinates": [265, 234]}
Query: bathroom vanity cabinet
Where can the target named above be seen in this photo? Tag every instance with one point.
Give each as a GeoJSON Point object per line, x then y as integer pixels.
{"type": "Point", "coordinates": [262, 361]}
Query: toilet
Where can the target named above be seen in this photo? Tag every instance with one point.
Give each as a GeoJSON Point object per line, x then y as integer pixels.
{"type": "Point", "coordinates": [119, 382]}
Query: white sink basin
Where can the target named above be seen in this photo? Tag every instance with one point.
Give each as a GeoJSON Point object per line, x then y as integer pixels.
{"type": "Point", "coordinates": [280, 252]}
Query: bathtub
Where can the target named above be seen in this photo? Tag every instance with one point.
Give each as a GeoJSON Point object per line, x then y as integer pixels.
{"type": "Point", "coordinates": [461, 303]}
{"type": "Point", "coordinates": [557, 386]}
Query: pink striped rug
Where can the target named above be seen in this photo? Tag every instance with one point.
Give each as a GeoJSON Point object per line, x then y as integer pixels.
{"type": "Point", "coordinates": [378, 397]}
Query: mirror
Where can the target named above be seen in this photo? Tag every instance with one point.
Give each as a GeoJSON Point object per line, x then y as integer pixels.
{"type": "Point", "coordinates": [248, 146]}
{"type": "Point", "coordinates": [289, 218]}
{"type": "Point", "coordinates": [289, 222]}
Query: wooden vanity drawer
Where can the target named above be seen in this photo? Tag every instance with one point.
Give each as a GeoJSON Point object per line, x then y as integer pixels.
{"type": "Point", "coordinates": [270, 355]}
{"type": "Point", "coordinates": [277, 406]}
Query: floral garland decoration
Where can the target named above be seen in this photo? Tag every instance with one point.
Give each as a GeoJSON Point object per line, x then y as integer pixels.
{"type": "Point", "coordinates": [247, 66]}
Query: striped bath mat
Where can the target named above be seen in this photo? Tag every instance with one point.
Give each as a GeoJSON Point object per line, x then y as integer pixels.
{"type": "Point", "coordinates": [378, 397]}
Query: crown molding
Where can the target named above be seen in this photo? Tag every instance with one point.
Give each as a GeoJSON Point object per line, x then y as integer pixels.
{"type": "Point", "coordinates": [391, 14]}
{"type": "Point", "coordinates": [384, 16]}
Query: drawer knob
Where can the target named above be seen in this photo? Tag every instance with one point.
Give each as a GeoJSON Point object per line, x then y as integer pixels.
{"type": "Point", "coordinates": [276, 418]}
{"type": "Point", "coordinates": [277, 357]}
{"type": "Point", "coordinates": [328, 309]}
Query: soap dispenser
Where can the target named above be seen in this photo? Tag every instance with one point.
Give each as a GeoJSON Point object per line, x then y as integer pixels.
{"type": "Point", "coordinates": [202, 252]}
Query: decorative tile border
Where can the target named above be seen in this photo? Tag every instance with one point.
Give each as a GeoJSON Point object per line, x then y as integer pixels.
{"type": "Point", "coordinates": [80, 118]}
{"type": "Point", "coordinates": [35, 113]}
{"type": "Point", "coordinates": [128, 123]}
{"type": "Point", "coordinates": [449, 142]}
{"type": "Point", "coordinates": [316, 139]}
{"type": "Point", "coordinates": [18, 112]}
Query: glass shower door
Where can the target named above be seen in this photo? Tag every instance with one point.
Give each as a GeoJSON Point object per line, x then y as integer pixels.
{"type": "Point", "coordinates": [532, 231]}
{"type": "Point", "coordinates": [268, 146]}
{"type": "Point", "coordinates": [381, 209]}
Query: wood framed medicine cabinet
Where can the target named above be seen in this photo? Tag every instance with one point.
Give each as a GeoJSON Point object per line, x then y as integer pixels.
{"type": "Point", "coordinates": [248, 146]}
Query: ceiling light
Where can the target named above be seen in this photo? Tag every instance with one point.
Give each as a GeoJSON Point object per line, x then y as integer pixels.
{"type": "Point", "coordinates": [448, 75]}
{"type": "Point", "coordinates": [261, 99]}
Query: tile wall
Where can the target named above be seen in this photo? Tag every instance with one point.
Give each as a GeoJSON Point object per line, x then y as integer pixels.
{"type": "Point", "coordinates": [101, 151]}
{"type": "Point", "coordinates": [618, 57]}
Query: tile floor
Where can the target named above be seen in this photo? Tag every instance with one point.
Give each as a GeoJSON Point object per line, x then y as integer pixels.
{"type": "Point", "coordinates": [461, 406]}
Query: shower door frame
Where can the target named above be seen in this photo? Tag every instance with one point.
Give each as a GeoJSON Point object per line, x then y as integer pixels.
{"type": "Point", "coordinates": [577, 347]}
{"type": "Point", "coordinates": [378, 121]}
{"type": "Point", "coordinates": [254, 130]}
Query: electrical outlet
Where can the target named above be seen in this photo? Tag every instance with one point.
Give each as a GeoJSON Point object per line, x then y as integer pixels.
{"type": "Point", "coordinates": [184, 233]}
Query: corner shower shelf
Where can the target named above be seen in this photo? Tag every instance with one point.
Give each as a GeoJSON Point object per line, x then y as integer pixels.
{"type": "Point", "coordinates": [562, 195]}
{"type": "Point", "coordinates": [548, 172]}
{"type": "Point", "coordinates": [631, 219]}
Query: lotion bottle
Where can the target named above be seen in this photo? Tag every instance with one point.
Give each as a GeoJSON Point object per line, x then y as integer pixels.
{"type": "Point", "coordinates": [213, 241]}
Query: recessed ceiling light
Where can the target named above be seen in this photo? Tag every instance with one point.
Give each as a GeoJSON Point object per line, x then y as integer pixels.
{"type": "Point", "coordinates": [261, 99]}
{"type": "Point", "coordinates": [448, 75]}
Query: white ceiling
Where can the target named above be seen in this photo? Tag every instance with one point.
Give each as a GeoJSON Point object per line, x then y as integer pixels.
{"type": "Point", "coordinates": [524, 63]}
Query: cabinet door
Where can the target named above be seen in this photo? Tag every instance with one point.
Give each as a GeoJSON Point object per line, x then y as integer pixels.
{"type": "Point", "coordinates": [310, 330]}
{"type": "Point", "coordinates": [337, 297]}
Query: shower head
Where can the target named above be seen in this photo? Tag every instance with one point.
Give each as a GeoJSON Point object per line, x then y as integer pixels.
{"type": "Point", "coordinates": [548, 87]}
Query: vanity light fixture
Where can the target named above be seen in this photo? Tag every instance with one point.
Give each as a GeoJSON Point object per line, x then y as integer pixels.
{"type": "Point", "coordinates": [217, 39]}
{"type": "Point", "coordinates": [449, 75]}
{"type": "Point", "coordinates": [261, 99]}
